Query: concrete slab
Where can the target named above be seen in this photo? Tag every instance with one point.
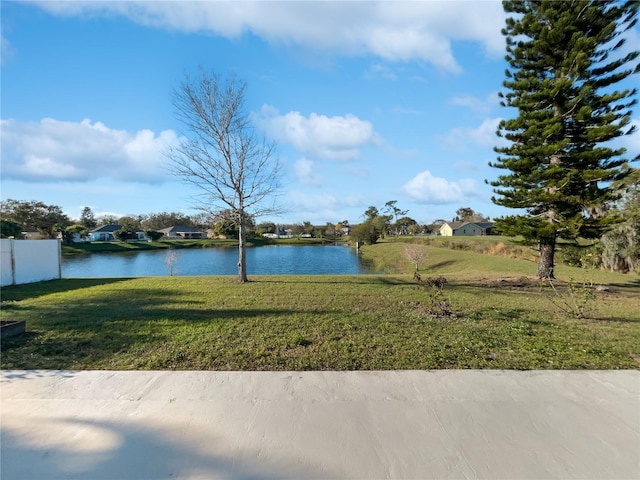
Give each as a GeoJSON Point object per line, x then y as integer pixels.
{"type": "Point", "coordinates": [275, 425]}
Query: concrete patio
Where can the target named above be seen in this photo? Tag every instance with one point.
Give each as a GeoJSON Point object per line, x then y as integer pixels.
{"type": "Point", "coordinates": [277, 425]}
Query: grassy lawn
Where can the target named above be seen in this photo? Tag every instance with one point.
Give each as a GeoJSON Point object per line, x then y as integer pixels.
{"type": "Point", "coordinates": [471, 255]}
{"type": "Point", "coordinates": [488, 315]}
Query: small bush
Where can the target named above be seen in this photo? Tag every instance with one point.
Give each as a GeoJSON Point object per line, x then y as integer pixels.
{"type": "Point", "coordinates": [460, 246]}
{"type": "Point", "coordinates": [582, 257]}
{"type": "Point", "coordinates": [154, 235]}
{"type": "Point", "coordinates": [438, 282]}
{"type": "Point", "coordinates": [572, 256]}
{"type": "Point", "coordinates": [575, 300]}
{"type": "Point", "coordinates": [496, 249]}
{"type": "Point", "coordinates": [438, 305]}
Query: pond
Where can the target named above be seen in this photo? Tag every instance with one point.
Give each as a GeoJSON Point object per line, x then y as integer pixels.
{"type": "Point", "coordinates": [268, 260]}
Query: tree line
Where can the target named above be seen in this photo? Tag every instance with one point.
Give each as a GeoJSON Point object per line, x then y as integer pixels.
{"type": "Point", "coordinates": [617, 250]}
{"type": "Point", "coordinates": [51, 222]}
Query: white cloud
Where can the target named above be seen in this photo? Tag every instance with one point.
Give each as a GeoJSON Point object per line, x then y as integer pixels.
{"type": "Point", "coordinates": [323, 207]}
{"type": "Point", "coordinates": [393, 31]}
{"type": "Point", "coordinates": [358, 171]}
{"type": "Point", "coordinates": [465, 166]}
{"type": "Point", "coordinates": [380, 71]}
{"type": "Point", "coordinates": [334, 138]}
{"type": "Point", "coordinates": [426, 188]}
{"type": "Point", "coordinates": [54, 150]}
{"type": "Point", "coordinates": [5, 50]}
{"type": "Point", "coordinates": [484, 135]}
{"type": "Point", "coordinates": [480, 106]}
{"type": "Point", "coordinates": [306, 174]}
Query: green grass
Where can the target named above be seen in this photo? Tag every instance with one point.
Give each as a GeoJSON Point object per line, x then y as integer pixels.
{"type": "Point", "coordinates": [475, 258]}
{"type": "Point", "coordinates": [322, 322]}
{"type": "Point", "coordinates": [471, 262]}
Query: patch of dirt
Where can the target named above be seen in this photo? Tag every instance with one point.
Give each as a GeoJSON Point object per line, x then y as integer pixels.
{"type": "Point", "coordinates": [510, 282]}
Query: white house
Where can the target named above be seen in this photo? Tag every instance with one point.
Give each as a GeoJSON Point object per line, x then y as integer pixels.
{"type": "Point", "coordinates": [181, 232]}
{"type": "Point", "coordinates": [451, 229]}
{"type": "Point", "coordinates": [106, 233]}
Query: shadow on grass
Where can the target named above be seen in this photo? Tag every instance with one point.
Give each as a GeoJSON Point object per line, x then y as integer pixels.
{"type": "Point", "coordinates": [507, 316]}
{"type": "Point", "coordinates": [18, 341]}
{"type": "Point", "coordinates": [90, 331]}
{"type": "Point", "coordinates": [443, 264]}
{"type": "Point", "coordinates": [630, 284]}
{"type": "Point", "coordinates": [34, 290]}
{"type": "Point", "coordinates": [366, 279]}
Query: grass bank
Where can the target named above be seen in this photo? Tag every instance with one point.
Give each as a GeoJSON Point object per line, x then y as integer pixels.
{"type": "Point", "coordinates": [475, 258]}
{"type": "Point", "coordinates": [389, 257]}
{"type": "Point", "coordinates": [478, 320]}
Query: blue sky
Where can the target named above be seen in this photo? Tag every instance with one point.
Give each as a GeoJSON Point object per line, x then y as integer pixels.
{"type": "Point", "coordinates": [367, 102]}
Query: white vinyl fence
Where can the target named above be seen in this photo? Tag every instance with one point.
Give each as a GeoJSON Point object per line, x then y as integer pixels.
{"type": "Point", "coordinates": [28, 261]}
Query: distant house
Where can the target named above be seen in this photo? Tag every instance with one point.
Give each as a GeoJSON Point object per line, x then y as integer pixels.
{"type": "Point", "coordinates": [452, 229]}
{"type": "Point", "coordinates": [32, 235]}
{"type": "Point", "coordinates": [181, 232]}
{"type": "Point", "coordinates": [76, 238]}
{"type": "Point", "coordinates": [106, 233]}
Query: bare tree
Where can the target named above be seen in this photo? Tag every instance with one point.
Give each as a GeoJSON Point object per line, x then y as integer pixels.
{"type": "Point", "coordinates": [220, 153]}
{"type": "Point", "coordinates": [170, 260]}
{"type": "Point", "coordinates": [415, 253]}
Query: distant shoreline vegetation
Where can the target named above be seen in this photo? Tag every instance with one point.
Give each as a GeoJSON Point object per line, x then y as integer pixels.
{"type": "Point", "coordinates": [132, 246]}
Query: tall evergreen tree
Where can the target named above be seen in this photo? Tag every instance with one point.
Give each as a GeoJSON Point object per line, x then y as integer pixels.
{"type": "Point", "coordinates": [565, 61]}
{"type": "Point", "coordinates": [87, 218]}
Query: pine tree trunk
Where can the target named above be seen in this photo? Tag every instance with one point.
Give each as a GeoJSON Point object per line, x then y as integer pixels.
{"type": "Point", "coordinates": [545, 264]}
{"type": "Point", "coordinates": [242, 251]}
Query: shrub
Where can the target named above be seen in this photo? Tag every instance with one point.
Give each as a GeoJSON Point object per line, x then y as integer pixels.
{"type": "Point", "coordinates": [154, 235]}
{"type": "Point", "coordinates": [496, 249]}
{"type": "Point", "coordinates": [572, 256]}
{"type": "Point", "coordinates": [124, 235]}
{"type": "Point", "coordinates": [438, 282]}
{"type": "Point", "coordinates": [575, 300]}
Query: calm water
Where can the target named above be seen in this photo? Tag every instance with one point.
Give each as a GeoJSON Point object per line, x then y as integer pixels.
{"type": "Point", "coordinates": [269, 260]}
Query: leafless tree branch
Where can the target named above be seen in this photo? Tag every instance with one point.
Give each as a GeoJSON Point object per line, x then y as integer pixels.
{"type": "Point", "coordinates": [220, 153]}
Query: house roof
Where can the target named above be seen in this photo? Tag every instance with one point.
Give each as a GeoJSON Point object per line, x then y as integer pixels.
{"type": "Point", "coordinates": [180, 229]}
{"type": "Point", "coordinates": [112, 227]}
{"type": "Point", "coordinates": [453, 225]}
{"type": "Point", "coordinates": [459, 225]}
{"type": "Point", "coordinates": [484, 224]}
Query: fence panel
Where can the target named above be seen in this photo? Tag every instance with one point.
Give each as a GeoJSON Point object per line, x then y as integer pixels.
{"type": "Point", "coordinates": [28, 261]}
{"type": "Point", "coordinates": [6, 265]}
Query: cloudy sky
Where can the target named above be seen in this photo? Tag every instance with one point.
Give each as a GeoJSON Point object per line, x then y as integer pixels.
{"type": "Point", "coordinates": [367, 101]}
